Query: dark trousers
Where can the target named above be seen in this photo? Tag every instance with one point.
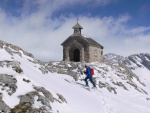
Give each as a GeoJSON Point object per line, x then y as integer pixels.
{"type": "Point", "coordinates": [91, 79]}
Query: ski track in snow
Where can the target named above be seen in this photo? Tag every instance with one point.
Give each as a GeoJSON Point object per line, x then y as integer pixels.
{"type": "Point", "coordinates": [142, 108]}
{"type": "Point", "coordinates": [100, 96]}
{"type": "Point", "coordinates": [105, 101]}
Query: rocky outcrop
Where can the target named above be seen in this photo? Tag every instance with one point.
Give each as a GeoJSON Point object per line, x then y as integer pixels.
{"type": "Point", "coordinates": [1, 44]}
{"type": "Point", "coordinates": [8, 83]}
{"type": "Point", "coordinates": [12, 49]}
{"type": "Point", "coordinates": [39, 95]}
{"type": "Point", "coordinates": [15, 65]}
{"type": "Point", "coordinates": [26, 107]}
{"type": "Point", "coordinates": [46, 93]}
{"type": "Point", "coordinates": [61, 98]}
{"type": "Point", "coordinates": [108, 86]}
{"type": "Point", "coordinates": [3, 107]}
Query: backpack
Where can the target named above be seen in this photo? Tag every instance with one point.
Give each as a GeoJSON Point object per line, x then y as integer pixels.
{"type": "Point", "coordinates": [92, 71]}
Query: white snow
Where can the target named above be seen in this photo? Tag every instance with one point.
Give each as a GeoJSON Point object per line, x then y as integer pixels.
{"type": "Point", "coordinates": [79, 99]}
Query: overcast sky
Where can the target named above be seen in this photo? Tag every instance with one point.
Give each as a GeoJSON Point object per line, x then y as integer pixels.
{"type": "Point", "coordinates": [40, 26]}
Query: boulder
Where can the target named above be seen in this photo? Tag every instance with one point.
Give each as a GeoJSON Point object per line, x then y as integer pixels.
{"type": "Point", "coordinates": [3, 107]}
{"type": "Point", "coordinates": [9, 50]}
{"type": "Point", "coordinates": [1, 44]}
{"type": "Point", "coordinates": [16, 48]}
{"type": "Point", "coordinates": [46, 93]}
{"type": "Point", "coordinates": [61, 98]}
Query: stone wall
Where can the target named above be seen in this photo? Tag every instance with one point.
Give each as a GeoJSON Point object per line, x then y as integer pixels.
{"type": "Point", "coordinates": [95, 54]}
{"type": "Point", "coordinates": [68, 51]}
{"type": "Point", "coordinates": [87, 53]}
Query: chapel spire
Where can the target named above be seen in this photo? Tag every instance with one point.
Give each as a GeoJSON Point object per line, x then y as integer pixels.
{"type": "Point", "coordinates": [77, 28]}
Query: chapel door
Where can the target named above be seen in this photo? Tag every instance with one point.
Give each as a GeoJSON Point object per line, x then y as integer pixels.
{"type": "Point", "coordinates": [76, 55]}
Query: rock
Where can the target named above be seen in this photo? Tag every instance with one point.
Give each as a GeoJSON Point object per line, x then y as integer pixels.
{"type": "Point", "coordinates": [22, 108]}
{"type": "Point", "coordinates": [42, 109]}
{"type": "Point", "coordinates": [26, 80]}
{"type": "Point", "coordinates": [9, 50]}
{"type": "Point", "coordinates": [4, 107]}
{"type": "Point", "coordinates": [111, 89]}
{"type": "Point", "coordinates": [27, 54]}
{"type": "Point", "coordinates": [43, 70]}
{"type": "Point", "coordinates": [17, 53]}
{"type": "Point", "coordinates": [44, 101]}
{"type": "Point", "coordinates": [16, 48]}
{"type": "Point", "coordinates": [14, 64]}
{"type": "Point", "coordinates": [148, 99]}
{"type": "Point", "coordinates": [17, 69]}
{"type": "Point", "coordinates": [46, 93]}
{"type": "Point", "coordinates": [101, 85]}
{"type": "Point", "coordinates": [61, 98]}
{"type": "Point", "coordinates": [120, 84]}
{"type": "Point", "coordinates": [27, 99]}
{"type": "Point", "coordinates": [1, 96]}
{"type": "Point", "coordinates": [13, 88]}
{"type": "Point", "coordinates": [8, 83]}
{"type": "Point", "coordinates": [1, 44]}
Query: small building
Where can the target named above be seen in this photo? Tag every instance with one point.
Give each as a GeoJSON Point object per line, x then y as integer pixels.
{"type": "Point", "coordinates": [79, 48]}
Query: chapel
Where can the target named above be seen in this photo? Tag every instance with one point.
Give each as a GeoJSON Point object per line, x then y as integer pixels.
{"type": "Point", "coordinates": [80, 48]}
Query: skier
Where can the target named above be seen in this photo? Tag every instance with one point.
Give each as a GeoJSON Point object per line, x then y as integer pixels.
{"type": "Point", "coordinates": [89, 76]}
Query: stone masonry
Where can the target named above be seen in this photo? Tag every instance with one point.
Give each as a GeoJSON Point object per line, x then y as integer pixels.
{"type": "Point", "coordinates": [79, 48]}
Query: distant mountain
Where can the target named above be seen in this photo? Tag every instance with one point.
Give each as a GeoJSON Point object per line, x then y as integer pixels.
{"type": "Point", "coordinates": [132, 61]}
{"type": "Point", "coordinates": [28, 85]}
{"type": "Point", "coordinates": [138, 60]}
{"type": "Point", "coordinates": [113, 57]}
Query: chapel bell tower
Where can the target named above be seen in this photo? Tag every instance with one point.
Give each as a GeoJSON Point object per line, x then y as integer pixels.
{"type": "Point", "coordinates": [77, 29]}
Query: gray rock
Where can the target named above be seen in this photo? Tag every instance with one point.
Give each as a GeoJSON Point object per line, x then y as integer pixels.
{"type": "Point", "coordinates": [1, 44]}
{"type": "Point", "coordinates": [7, 79]}
{"type": "Point", "coordinates": [3, 107]}
{"type": "Point", "coordinates": [44, 101]}
{"type": "Point", "coordinates": [42, 109]}
{"type": "Point", "coordinates": [61, 98]}
{"type": "Point", "coordinates": [26, 98]}
{"type": "Point", "coordinates": [23, 107]}
{"type": "Point", "coordinates": [27, 54]}
{"type": "Point", "coordinates": [1, 96]}
{"type": "Point", "coordinates": [18, 53]}
{"type": "Point", "coordinates": [111, 89]}
{"type": "Point", "coordinates": [17, 69]}
{"type": "Point", "coordinates": [46, 93]}
{"type": "Point", "coordinates": [9, 50]}
{"type": "Point", "coordinates": [43, 70]}
{"type": "Point", "coordinates": [16, 48]}
{"type": "Point", "coordinates": [14, 64]}
{"type": "Point", "coordinates": [26, 80]}
{"type": "Point", "coordinates": [120, 84]}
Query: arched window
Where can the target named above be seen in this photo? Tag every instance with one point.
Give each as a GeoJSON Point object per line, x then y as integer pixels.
{"type": "Point", "coordinates": [101, 52]}
{"type": "Point", "coordinates": [95, 53]}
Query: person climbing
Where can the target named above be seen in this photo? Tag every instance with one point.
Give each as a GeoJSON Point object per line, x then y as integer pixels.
{"type": "Point", "coordinates": [89, 76]}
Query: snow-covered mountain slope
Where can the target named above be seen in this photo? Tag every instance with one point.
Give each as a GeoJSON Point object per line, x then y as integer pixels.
{"type": "Point", "coordinates": [113, 57]}
{"type": "Point", "coordinates": [138, 63]}
{"type": "Point", "coordinates": [28, 85]}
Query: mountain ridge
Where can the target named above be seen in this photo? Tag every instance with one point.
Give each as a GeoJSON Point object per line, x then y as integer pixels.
{"type": "Point", "coordinates": [28, 85]}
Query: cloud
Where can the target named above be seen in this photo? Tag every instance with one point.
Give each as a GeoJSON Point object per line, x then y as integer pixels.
{"type": "Point", "coordinates": [41, 34]}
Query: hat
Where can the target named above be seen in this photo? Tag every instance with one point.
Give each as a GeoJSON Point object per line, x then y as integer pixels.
{"type": "Point", "coordinates": [86, 65]}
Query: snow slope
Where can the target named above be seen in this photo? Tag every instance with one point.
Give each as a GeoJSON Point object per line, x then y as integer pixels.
{"type": "Point", "coordinates": [119, 90]}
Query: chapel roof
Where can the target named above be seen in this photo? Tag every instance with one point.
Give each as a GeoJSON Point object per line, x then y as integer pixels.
{"type": "Point", "coordinates": [94, 43]}
{"type": "Point", "coordinates": [88, 40]}
{"type": "Point", "coordinates": [77, 26]}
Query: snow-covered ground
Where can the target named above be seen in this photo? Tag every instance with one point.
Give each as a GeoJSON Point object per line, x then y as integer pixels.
{"type": "Point", "coordinates": [107, 98]}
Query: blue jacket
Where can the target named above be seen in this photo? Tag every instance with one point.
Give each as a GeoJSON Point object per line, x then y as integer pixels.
{"type": "Point", "coordinates": [88, 71]}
